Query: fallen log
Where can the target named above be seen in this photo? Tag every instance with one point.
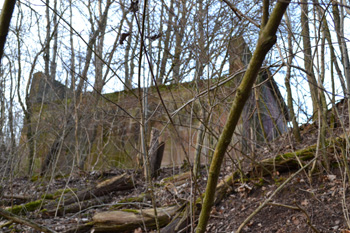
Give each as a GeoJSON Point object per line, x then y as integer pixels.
{"type": "Point", "coordinates": [128, 220]}
{"type": "Point", "coordinates": [291, 160]}
{"type": "Point", "coordinates": [127, 201]}
{"type": "Point", "coordinates": [75, 207]}
{"type": "Point", "coordinates": [177, 179]}
{"type": "Point", "coordinates": [24, 208]}
{"type": "Point", "coordinates": [131, 201]}
{"type": "Point", "coordinates": [180, 221]}
{"type": "Point", "coordinates": [18, 197]}
{"type": "Point", "coordinates": [283, 162]}
{"type": "Point", "coordinates": [117, 183]}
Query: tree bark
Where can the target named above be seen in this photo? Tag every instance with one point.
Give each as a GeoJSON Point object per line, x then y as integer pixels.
{"type": "Point", "coordinates": [5, 19]}
{"type": "Point", "coordinates": [296, 131]}
{"type": "Point", "coordinates": [179, 35]}
{"type": "Point", "coordinates": [166, 53]}
{"type": "Point", "coordinates": [53, 63]}
{"type": "Point", "coordinates": [339, 28]}
{"type": "Point", "coordinates": [128, 78]}
{"type": "Point", "coordinates": [47, 39]}
{"type": "Point", "coordinates": [122, 221]}
{"type": "Point", "coordinates": [325, 27]}
{"type": "Point", "coordinates": [72, 58]}
{"type": "Point", "coordinates": [305, 33]}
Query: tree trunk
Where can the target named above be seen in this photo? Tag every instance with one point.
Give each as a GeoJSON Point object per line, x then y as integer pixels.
{"type": "Point", "coordinates": [128, 78]}
{"type": "Point", "coordinates": [339, 27]}
{"type": "Point", "coordinates": [296, 131]}
{"type": "Point", "coordinates": [325, 27]}
{"type": "Point", "coordinates": [267, 39]}
{"type": "Point", "coordinates": [179, 35]}
{"type": "Point", "coordinates": [317, 96]}
{"type": "Point", "coordinates": [47, 39]}
{"type": "Point", "coordinates": [305, 33]}
{"type": "Point", "coordinates": [72, 58]}
{"type": "Point", "coordinates": [5, 19]}
{"type": "Point", "coordinates": [53, 64]}
{"type": "Point", "coordinates": [166, 50]}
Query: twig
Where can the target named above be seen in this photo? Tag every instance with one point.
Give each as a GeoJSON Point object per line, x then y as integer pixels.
{"type": "Point", "coordinates": [239, 14]}
{"type": "Point", "coordinates": [283, 205]}
{"type": "Point", "coordinates": [6, 224]}
{"type": "Point", "coordinates": [271, 196]}
{"type": "Point", "coordinates": [297, 207]}
{"type": "Point", "coordinates": [308, 221]}
{"type": "Point", "coordinates": [15, 218]}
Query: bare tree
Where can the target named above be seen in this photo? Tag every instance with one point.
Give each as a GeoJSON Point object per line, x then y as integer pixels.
{"type": "Point", "coordinates": [179, 35]}
{"type": "Point", "coordinates": [266, 40]}
{"type": "Point", "coordinates": [305, 33]}
{"type": "Point", "coordinates": [70, 122]}
{"type": "Point", "coordinates": [296, 131]}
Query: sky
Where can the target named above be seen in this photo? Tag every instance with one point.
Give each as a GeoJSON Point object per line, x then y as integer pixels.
{"type": "Point", "coordinates": [114, 85]}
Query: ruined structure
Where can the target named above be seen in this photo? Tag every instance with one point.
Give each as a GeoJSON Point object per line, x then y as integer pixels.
{"type": "Point", "coordinates": [265, 114]}
{"type": "Point", "coordinates": [116, 135]}
{"type": "Point", "coordinates": [44, 89]}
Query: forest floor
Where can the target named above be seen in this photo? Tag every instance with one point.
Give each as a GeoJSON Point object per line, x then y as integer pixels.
{"type": "Point", "coordinates": [305, 204]}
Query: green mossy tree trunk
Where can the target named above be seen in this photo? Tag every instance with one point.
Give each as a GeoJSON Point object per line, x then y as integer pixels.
{"type": "Point", "coordinates": [266, 40]}
{"type": "Point", "coordinates": [5, 19]}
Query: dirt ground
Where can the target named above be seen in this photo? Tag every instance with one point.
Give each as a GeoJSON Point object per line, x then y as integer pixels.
{"type": "Point", "coordinates": [306, 204]}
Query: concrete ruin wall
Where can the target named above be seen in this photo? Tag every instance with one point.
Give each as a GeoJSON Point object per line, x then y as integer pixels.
{"type": "Point", "coordinates": [108, 137]}
{"type": "Point", "coordinates": [117, 142]}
